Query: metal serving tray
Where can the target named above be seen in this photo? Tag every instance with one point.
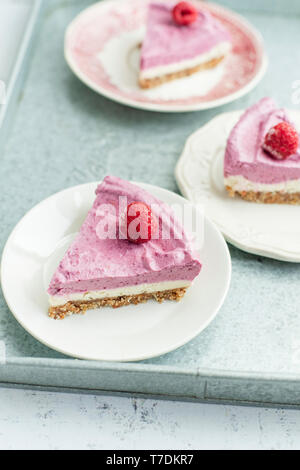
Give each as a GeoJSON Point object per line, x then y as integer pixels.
{"type": "Point", "coordinates": [57, 133]}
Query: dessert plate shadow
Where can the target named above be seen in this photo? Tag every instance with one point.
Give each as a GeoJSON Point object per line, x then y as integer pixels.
{"type": "Point", "coordinates": [129, 333]}
{"type": "Point", "coordinates": [102, 47]}
{"type": "Point", "coordinates": [271, 230]}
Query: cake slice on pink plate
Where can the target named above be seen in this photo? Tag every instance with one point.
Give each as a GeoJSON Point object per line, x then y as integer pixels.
{"type": "Point", "coordinates": [179, 41]}
{"type": "Point", "coordinates": [262, 158]}
{"type": "Point", "coordinates": [129, 249]}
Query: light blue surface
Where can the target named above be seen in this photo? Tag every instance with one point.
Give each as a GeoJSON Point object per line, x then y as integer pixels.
{"type": "Point", "coordinates": [64, 134]}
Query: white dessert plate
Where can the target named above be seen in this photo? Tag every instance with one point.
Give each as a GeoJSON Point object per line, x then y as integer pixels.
{"type": "Point", "coordinates": [102, 47]}
{"type": "Point", "coordinates": [271, 230]}
{"type": "Point", "coordinates": [131, 333]}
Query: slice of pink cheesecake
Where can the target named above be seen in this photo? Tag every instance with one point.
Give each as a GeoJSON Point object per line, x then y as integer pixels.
{"type": "Point", "coordinates": [250, 170]}
{"type": "Point", "coordinates": [171, 50]}
{"type": "Point", "coordinates": [110, 270]}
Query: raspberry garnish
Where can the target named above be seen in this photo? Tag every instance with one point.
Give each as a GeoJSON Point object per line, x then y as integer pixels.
{"type": "Point", "coordinates": [281, 141]}
{"type": "Point", "coordinates": [142, 224]}
{"type": "Point", "coordinates": [184, 13]}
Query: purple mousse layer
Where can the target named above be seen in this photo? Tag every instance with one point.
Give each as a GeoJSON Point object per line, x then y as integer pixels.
{"type": "Point", "coordinates": [166, 42]}
{"type": "Point", "coordinates": [244, 153]}
{"type": "Point", "coordinates": [92, 263]}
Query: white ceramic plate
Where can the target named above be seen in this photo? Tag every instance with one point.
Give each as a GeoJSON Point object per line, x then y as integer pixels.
{"type": "Point", "coordinates": [130, 333]}
{"type": "Point", "coordinates": [102, 47]}
{"type": "Point", "coordinates": [271, 230]}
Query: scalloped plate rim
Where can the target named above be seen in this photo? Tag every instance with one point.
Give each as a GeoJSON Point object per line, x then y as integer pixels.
{"type": "Point", "coordinates": [258, 248]}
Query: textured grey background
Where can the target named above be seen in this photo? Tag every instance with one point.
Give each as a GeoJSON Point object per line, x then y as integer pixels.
{"type": "Point", "coordinates": [64, 134]}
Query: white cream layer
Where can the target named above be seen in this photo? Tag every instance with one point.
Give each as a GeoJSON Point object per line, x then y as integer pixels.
{"type": "Point", "coordinates": [239, 183]}
{"type": "Point", "coordinates": [56, 300]}
{"type": "Point", "coordinates": [218, 51]}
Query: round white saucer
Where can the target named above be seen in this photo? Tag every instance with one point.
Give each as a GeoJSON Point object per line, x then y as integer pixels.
{"type": "Point", "coordinates": [102, 47]}
{"type": "Point", "coordinates": [271, 230]}
{"type": "Point", "coordinates": [130, 333]}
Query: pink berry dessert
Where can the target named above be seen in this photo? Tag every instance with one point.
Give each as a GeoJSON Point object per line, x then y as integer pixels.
{"type": "Point", "coordinates": [129, 249]}
{"type": "Point", "coordinates": [179, 41]}
{"type": "Point", "coordinates": [262, 158]}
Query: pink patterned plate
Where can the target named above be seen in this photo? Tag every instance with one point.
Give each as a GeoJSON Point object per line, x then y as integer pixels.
{"type": "Point", "coordinates": [102, 47]}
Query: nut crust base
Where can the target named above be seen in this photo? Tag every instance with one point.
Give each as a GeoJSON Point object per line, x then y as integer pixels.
{"type": "Point", "coordinates": [73, 307]}
{"type": "Point", "coordinates": [275, 197]}
{"type": "Point", "coordinates": [147, 83]}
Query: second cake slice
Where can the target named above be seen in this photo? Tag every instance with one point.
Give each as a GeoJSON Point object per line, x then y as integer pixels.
{"type": "Point", "coordinates": [171, 50]}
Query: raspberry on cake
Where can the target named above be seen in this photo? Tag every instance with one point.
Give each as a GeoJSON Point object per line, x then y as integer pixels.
{"type": "Point", "coordinates": [114, 271]}
{"type": "Point", "coordinates": [281, 141]}
{"type": "Point", "coordinates": [262, 159]}
{"type": "Point", "coordinates": [184, 13]}
{"type": "Point", "coordinates": [179, 41]}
